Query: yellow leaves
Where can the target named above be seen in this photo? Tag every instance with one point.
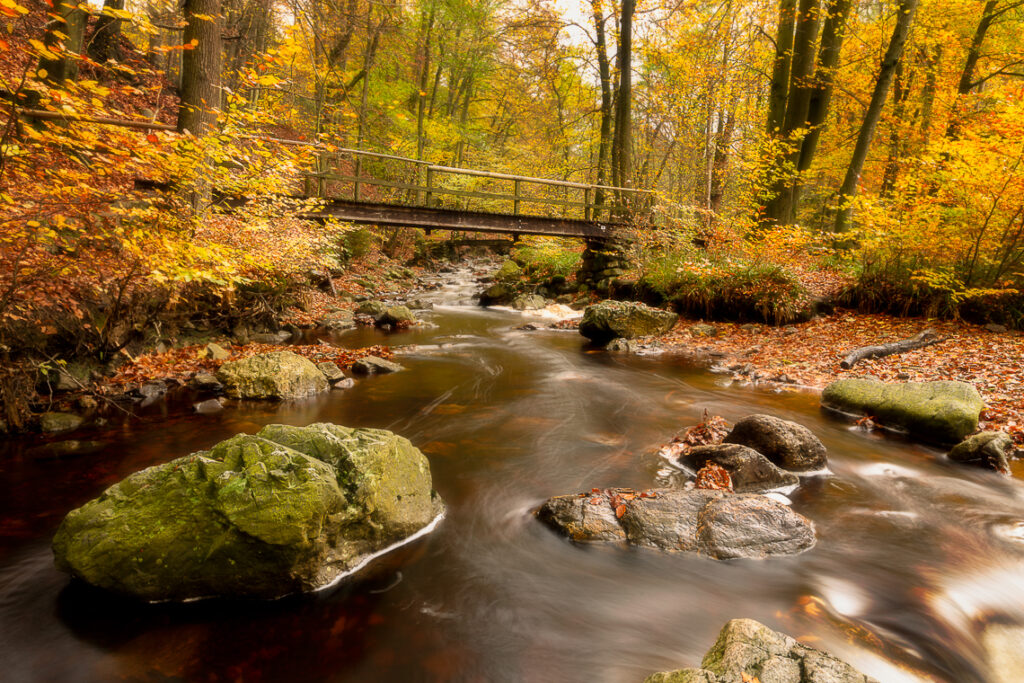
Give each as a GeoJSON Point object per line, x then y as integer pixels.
{"type": "Point", "coordinates": [11, 9]}
{"type": "Point", "coordinates": [42, 50]}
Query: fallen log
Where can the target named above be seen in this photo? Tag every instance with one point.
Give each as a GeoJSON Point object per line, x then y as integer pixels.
{"type": "Point", "coordinates": [926, 338]}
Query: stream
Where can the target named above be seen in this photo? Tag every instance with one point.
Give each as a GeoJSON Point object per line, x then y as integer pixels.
{"type": "Point", "coordinates": [915, 556]}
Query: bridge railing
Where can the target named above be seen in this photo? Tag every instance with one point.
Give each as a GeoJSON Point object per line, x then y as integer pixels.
{"type": "Point", "coordinates": [384, 178]}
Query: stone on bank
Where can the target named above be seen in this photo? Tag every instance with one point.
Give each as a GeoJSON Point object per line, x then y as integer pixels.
{"type": "Point", "coordinates": [609, 320]}
{"type": "Point", "coordinates": [276, 375]}
{"type": "Point", "coordinates": [286, 510]}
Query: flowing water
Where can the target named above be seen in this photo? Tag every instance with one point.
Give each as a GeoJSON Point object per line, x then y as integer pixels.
{"type": "Point", "coordinates": [915, 555]}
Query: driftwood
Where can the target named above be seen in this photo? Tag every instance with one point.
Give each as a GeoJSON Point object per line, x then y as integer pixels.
{"type": "Point", "coordinates": [926, 338]}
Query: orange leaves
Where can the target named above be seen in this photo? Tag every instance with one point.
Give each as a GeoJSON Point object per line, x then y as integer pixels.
{"type": "Point", "coordinates": [714, 477]}
{"type": "Point", "coordinates": [711, 431]}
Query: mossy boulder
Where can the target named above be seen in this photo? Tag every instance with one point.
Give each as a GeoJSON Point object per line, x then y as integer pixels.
{"type": "Point", "coordinates": [609, 320]}
{"type": "Point", "coordinates": [988, 449]}
{"type": "Point", "coordinates": [510, 271]}
{"type": "Point", "coordinates": [395, 316]}
{"type": "Point", "coordinates": [286, 510]}
{"type": "Point", "coordinates": [372, 308]}
{"type": "Point", "coordinates": [528, 302]}
{"type": "Point", "coordinates": [943, 412]}
{"type": "Point", "coordinates": [496, 294]}
{"type": "Point", "coordinates": [277, 375]}
{"type": "Point", "coordinates": [747, 650]}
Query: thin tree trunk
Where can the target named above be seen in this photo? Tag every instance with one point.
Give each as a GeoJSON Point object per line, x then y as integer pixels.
{"type": "Point", "coordinates": [622, 147]}
{"type": "Point", "coordinates": [604, 69]}
{"type": "Point", "coordinates": [970, 64]}
{"type": "Point", "coordinates": [848, 190]}
{"type": "Point", "coordinates": [108, 29]}
{"type": "Point", "coordinates": [779, 89]}
{"type": "Point", "coordinates": [421, 103]}
{"type": "Point", "coordinates": [64, 37]}
{"type": "Point", "coordinates": [900, 92]}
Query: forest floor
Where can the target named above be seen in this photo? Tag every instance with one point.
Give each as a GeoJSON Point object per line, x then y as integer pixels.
{"type": "Point", "coordinates": [808, 355]}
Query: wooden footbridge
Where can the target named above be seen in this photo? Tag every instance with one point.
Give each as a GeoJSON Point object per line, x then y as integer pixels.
{"type": "Point", "coordinates": [383, 189]}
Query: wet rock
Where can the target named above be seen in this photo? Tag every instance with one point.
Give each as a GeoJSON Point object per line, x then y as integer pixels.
{"type": "Point", "coordinates": [622, 346]}
{"type": "Point", "coordinates": [751, 472]}
{"type": "Point", "coordinates": [420, 305]}
{"type": "Point", "coordinates": [703, 330]}
{"type": "Point", "coordinates": [62, 450]}
{"type": "Point", "coordinates": [789, 445]}
{"type": "Point", "coordinates": [150, 392]}
{"type": "Point", "coordinates": [988, 449]}
{"type": "Point", "coordinates": [608, 320]}
{"type": "Point", "coordinates": [395, 316]}
{"type": "Point", "coordinates": [495, 295]}
{"type": "Point", "coordinates": [346, 383]}
{"type": "Point", "coordinates": [208, 407]}
{"type": "Point", "coordinates": [510, 271]}
{"type": "Point", "coordinates": [205, 382]}
{"type": "Point", "coordinates": [86, 403]}
{"type": "Point", "coordinates": [747, 650]}
{"type": "Point", "coordinates": [276, 375]}
{"type": "Point", "coordinates": [996, 327]}
{"type": "Point", "coordinates": [270, 337]}
{"type": "Point", "coordinates": [332, 373]}
{"type": "Point", "coordinates": [53, 422]}
{"type": "Point", "coordinates": [338, 320]}
{"type": "Point", "coordinates": [288, 509]}
{"type": "Point", "coordinates": [943, 412]}
{"type": "Point", "coordinates": [216, 352]}
{"type": "Point", "coordinates": [372, 365]}
{"type": "Point", "coordinates": [714, 523]}
{"type": "Point", "coordinates": [528, 302]}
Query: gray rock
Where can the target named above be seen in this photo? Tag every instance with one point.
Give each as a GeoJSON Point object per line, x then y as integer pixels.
{"type": "Point", "coordinates": [87, 403]}
{"type": "Point", "coordinates": [62, 450]}
{"type": "Point", "coordinates": [528, 302]}
{"type": "Point", "coordinates": [338, 320]}
{"type": "Point", "coordinates": [608, 320]}
{"type": "Point", "coordinates": [787, 444]}
{"type": "Point", "coordinates": [996, 327]}
{"type": "Point", "coordinates": [206, 382]}
{"type": "Point", "coordinates": [747, 650]}
{"type": "Point", "coordinates": [52, 422]}
{"type": "Point", "coordinates": [208, 407]}
{"type": "Point", "coordinates": [943, 412]}
{"type": "Point", "coordinates": [420, 305]}
{"type": "Point", "coordinates": [332, 373]}
{"type": "Point", "coordinates": [496, 294]}
{"type": "Point", "coordinates": [372, 365]}
{"type": "Point", "coordinates": [712, 523]}
{"type": "Point", "coordinates": [152, 390]}
{"type": "Point", "coordinates": [346, 383]}
{"type": "Point", "coordinates": [68, 377]}
{"type": "Point", "coordinates": [276, 375]}
{"type": "Point", "coordinates": [751, 472]}
{"type": "Point", "coordinates": [270, 337]}
{"type": "Point", "coordinates": [622, 346]}
{"type": "Point", "coordinates": [988, 449]}
{"type": "Point", "coordinates": [286, 510]}
{"type": "Point", "coordinates": [216, 352]}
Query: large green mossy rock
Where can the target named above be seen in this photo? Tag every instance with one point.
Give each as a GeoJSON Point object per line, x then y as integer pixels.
{"type": "Point", "coordinates": [609, 320]}
{"type": "Point", "coordinates": [747, 650]}
{"type": "Point", "coordinates": [943, 412]}
{"type": "Point", "coordinates": [277, 375]}
{"type": "Point", "coordinates": [286, 510]}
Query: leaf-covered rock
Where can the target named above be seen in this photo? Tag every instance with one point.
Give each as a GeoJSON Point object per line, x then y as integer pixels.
{"type": "Point", "coordinates": [275, 375]}
{"type": "Point", "coordinates": [609, 320]}
{"type": "Point", "coordinates": [286, 510]}
{"type": "Point", "coordinates": [943, 411]}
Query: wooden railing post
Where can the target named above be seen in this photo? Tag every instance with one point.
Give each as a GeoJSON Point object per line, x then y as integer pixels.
{"type": "Point", "coordinates": [355, 183]}
{"type": "Point", "coordinates": [515, 197]}
{"type": "Point", "coordinates": [321, 171]}
{"type": "Point", "coordinates": [586, 204]}
{"type": "Point", "coordinates": [430, 186]}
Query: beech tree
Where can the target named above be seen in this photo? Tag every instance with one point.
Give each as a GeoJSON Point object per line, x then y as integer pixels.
{"type": "Point", "coordinates": [201, 67]}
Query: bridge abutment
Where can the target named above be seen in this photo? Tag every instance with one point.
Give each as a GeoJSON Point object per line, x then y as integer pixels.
{"type": "Point", "coordinates": [602, 267]}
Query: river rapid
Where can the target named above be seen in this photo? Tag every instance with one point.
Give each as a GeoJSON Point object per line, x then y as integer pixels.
{"type": "Point", "coordinates": [916, 556]}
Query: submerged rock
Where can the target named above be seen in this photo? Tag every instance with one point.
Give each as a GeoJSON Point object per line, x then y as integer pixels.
{"type": "Point", "coordinates": [943, 411]}
{"type": "Point", "coordinates": [340, 319]}
{"type": "Point", "coordinates": [747, 650]}
{"type": "Point", "coordinates": [59, 422]}
{"type": "Point", "coordinates": [277, 375]}
{"type": "Point", "coordinates": [608, 320]}
{"type": "Point", "coordinates": [988, 449]}
{"type": "Point", "coordinates": [528, 302]}
{"type": "Point", "coordinates": [288, 509]}
{"type": "Point", "coordinates": [789, 445]}
{"type": "Point", "coordinates": [749, 470]}
{"type": "Point", "coordinates": [205, 381]}
{"type": "Point", "coordinates": [372, 365]}
{"type": "Point", "coordinates": [718, 524]}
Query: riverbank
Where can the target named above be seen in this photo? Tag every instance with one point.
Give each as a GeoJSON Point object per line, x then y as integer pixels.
{"type": "Point", "coordinates": [808, 355]}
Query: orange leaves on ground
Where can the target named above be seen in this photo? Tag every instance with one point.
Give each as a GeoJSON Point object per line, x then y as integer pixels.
{"type": "Point", "coordinates": [710, 431]}
{"type": "Point", "coordinates": [714, 477]}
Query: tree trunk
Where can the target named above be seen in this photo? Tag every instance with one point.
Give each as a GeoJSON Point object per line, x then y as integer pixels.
{"type": "Point", "coordinates": [970, 64]}
{"type": "Point", "coordinates": [66, 49]}
{"type": "Point", "coordinates": [421, 101]}
{"type": "Point", "coordinates": [604, 68]}
{"type": "Point", "coordinates": [780, 70]}
{"type": "Point", "coordinates": [900, 92]}
{"type": "Point", "coordinates": [200, 69]}
{"type": "Point", "coordinates": [906, 11]}
{"type": "Point", "coordinates": [108, 30]}
{"type": "Point", "coordinates": [622, 146]}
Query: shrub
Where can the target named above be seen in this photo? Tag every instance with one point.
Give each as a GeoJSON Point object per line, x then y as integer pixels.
{"type": "Point", "coordinates": [544, 259]}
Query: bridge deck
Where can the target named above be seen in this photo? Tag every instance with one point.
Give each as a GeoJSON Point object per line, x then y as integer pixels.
{"type": "Point", "coordinates": [435, 218]}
